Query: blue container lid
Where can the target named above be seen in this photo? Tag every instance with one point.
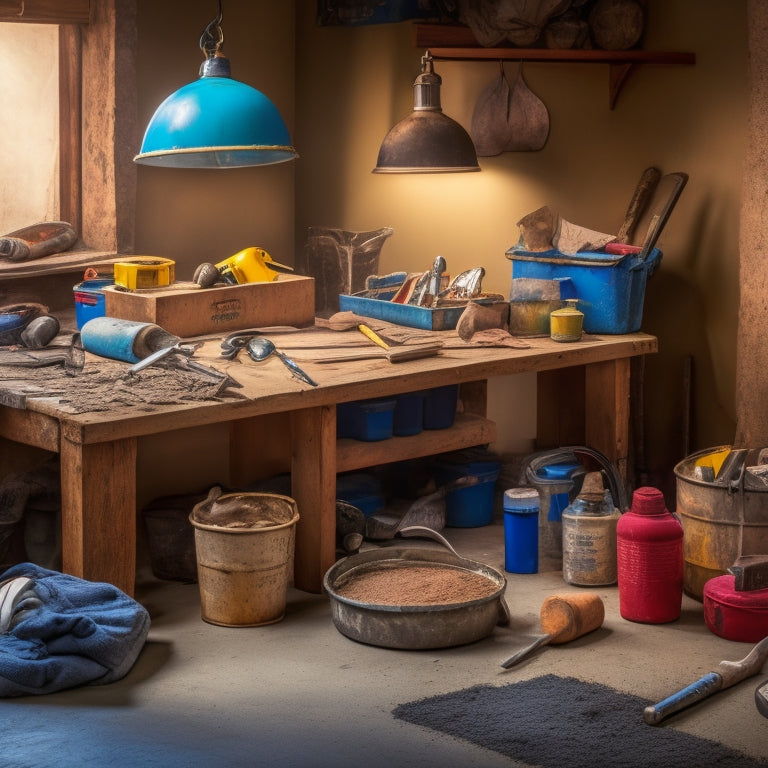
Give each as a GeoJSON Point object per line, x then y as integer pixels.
{"type": "Point", "coordinates": [523, 500]}
{"type": "Point", "coordinates": [564, 469]}
{"type": "Point", "coordinates": [94, 284]}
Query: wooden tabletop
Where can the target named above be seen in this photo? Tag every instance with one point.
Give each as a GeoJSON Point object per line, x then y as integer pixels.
{"type": "Point", "coordinates": [269, 387]}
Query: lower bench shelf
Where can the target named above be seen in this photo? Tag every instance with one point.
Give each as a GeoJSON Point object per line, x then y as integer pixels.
{"type": "Point", "coordinates": [468, 430]}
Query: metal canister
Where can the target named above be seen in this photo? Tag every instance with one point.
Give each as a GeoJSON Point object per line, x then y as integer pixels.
{"type": "Point", "coordinates": [127, 340]}
{"type": "Point", "coordinates": [589, 536]}
{"type": "Point", "coordinates": [566, 323]}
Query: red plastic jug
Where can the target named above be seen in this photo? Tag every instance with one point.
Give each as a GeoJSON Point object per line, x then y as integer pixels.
{"type": "Point", "coordinates": [649, 560]}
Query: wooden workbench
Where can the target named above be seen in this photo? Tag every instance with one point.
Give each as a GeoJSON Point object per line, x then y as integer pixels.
{"type": "Point", "coordinates": [98, 450]}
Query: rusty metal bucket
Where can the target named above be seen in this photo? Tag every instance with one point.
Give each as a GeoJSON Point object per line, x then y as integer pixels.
{"type": "Point", "coordinates": [244, 543]}
{"type": "Point", "coordinates": [722, 520]}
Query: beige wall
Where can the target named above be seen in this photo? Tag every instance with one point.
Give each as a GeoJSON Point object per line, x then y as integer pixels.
{"type": "Point", "coordinates": [194, 216]}
{"type": "Point", "coordinates": [354, 84]}
{"type": "Point", "coordinates": [344, 89]}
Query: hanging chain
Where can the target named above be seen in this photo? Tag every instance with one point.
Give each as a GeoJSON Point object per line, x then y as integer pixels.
{"type": "Point", "coordinates": [212, 39]}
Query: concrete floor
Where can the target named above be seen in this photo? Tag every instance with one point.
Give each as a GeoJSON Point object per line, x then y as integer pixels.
{"type": "Point", "coordinates": [298, 693]}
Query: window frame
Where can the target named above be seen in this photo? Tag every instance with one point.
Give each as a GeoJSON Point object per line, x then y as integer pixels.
{"type": "Point", "coordinates": [97, 49]}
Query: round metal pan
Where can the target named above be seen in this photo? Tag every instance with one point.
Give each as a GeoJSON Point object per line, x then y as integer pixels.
{"type": "Point", "coordinates": [414, 627]}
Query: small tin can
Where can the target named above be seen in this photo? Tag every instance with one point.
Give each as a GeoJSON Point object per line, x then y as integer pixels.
{"type": "Point", "coordinates": [566, 323]}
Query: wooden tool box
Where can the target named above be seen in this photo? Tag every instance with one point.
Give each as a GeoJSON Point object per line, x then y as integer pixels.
{"type": "Point", "coordinates": [187, 312]}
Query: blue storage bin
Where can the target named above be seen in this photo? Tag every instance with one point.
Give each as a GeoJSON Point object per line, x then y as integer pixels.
{"type": "Point", "coordinates": [472, 506]}
{"type": "Point", "coordinates": [611, 289]}
{"type": "Point", "coordinates": [409, 414]}
{"type": "Point", "coordinates": [440, 406]}
{"type": "Point", "coordinates": [89, 299]}
{"type": "Point", "coordinates": [361, 490]}
{"type": "Point", "coordinates": [346, 420]}
{"type": "Point", "coordinates": [367, 420]}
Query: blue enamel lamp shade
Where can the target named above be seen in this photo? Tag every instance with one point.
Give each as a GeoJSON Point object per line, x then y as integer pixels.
{"type": "Point", "coordinates": [216, 122]}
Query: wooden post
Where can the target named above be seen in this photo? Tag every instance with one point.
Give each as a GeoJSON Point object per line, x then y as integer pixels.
{"type": "Point", "coordinates": [98, 509]}
{"type": "Point", "coordinates": [606, 402]}
{"type": "Point", "coordinates": [313, 477]}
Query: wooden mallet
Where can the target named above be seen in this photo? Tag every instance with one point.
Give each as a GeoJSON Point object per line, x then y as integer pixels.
{"type": "Point", "coordinates": [564, 618]}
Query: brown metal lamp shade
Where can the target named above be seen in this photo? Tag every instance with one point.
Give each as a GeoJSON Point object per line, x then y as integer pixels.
{"type": "Point", "coordinates": [427, 141]}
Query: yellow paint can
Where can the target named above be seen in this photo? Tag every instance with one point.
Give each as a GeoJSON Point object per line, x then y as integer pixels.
{"type": "Point", "coordinates": [566, 323]}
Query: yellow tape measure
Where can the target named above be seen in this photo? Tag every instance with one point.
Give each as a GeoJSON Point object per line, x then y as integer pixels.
{"type": "Point", "coordinates": [144, 272]}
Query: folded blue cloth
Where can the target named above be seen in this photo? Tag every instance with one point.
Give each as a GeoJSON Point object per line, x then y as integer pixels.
{"type": "Point", "coordinates": [74, 632]}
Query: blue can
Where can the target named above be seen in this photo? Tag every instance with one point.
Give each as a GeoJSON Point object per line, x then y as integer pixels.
{"type": "Point", "coordinates": [89, 299]}
{"type": "Point", "coordinates": [521, 530]}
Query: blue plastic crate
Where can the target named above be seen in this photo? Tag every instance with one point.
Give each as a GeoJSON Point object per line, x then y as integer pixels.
{"type": "Point", "coordinates": [610, 288]}
{"type": "Point", "coordinates": [409, 414]}
{"type": "Point", "coordinates": [440, 406]}
{"type": "Point", "coordinates": [368, 420]}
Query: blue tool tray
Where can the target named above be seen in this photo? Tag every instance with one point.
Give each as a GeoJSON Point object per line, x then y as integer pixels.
{"type": "Point", "coordinates": [425, 318]}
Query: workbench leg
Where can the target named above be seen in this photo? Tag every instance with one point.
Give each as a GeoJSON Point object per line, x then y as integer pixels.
{"type": "Point", "coordinates": [98, 511]}
{"type": "Point", "coordinates": [473, 396]}
{"type": "Point", "coordinates": [606, 403]}
{"type": "Point", "coordinates": [313, 481]}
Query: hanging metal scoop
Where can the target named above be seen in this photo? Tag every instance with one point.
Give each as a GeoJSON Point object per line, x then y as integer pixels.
{"type": "Point", "coordinates": [509, 117]}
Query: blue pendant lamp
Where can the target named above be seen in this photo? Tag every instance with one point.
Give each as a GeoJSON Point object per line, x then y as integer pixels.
{"type": "Point", "coordinates": [215, 122]}
{"type": "Point", "coordinates": [427, 141]}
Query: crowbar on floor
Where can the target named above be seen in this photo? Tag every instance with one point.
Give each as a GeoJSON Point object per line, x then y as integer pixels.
{"type": "Point", "coordinates": [725, 675]}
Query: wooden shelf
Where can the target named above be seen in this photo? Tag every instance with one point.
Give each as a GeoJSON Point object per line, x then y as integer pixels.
{"type": "Point", "coordinates": [457, 43]}
{"type": "Point", "coordinates": [56, 264]}
{"type": "Point", "coordinates": [468, 430]}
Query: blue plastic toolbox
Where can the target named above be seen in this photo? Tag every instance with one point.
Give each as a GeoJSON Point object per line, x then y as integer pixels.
{"type": "Point", "coordinates": [610, 288]}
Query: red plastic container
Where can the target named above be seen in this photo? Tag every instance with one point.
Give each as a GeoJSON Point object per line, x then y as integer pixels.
{"type": "Point", "coordinates": [649, 559]}
{"type": "Point", "coordinates": [738, 616]}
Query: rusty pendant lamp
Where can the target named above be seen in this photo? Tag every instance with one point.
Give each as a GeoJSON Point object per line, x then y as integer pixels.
{"type": "Point", "coordinates": [427, 141]}
{"type": "Point", "coordinates": [215, 121]}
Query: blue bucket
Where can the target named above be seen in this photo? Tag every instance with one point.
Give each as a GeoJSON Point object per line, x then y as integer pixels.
{"type": "Point", "coordinates": [471, 506]}
{"type": "Point", "coordinates": [89, 299]}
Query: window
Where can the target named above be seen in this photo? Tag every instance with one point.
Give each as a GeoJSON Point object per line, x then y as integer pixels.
{"type": "Point", "coordinates": [29, 159]}
{"type": "Point", "coordinates": [91, 59]}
